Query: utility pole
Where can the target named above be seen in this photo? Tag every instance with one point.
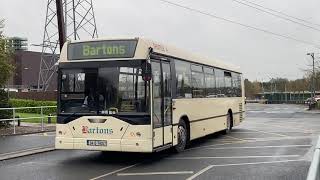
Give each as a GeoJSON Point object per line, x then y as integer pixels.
{"type": "Point", "coordinates": [313, 76]}
{"type": "Point", "coordinates": [65, 20]}
{"type": "Point", "coordinates": [61, 24]}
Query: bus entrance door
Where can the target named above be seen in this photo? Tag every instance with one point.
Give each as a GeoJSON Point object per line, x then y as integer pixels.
{"type": "Point", "coordinates": [162, 118]}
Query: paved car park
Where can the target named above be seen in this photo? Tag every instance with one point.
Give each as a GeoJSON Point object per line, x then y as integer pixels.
{"type": "Point", "coordinates": [274, 142]}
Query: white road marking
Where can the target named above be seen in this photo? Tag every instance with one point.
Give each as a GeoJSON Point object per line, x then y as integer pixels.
{"type": "Point", "coordinates": [254, 163]}
{"type": "Point", "coordinates": [256, 147]}
{"type": "Point", "coordinates": [199, 173]}
{"type": "Point", "coordinates": [113, 172]}
{"type": "Point", "coordinates": [234, 157]}
{"type": "Point", "coordinates": [155, 173]}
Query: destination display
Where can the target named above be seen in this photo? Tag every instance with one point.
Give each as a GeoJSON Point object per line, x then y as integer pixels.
{"type": "Point", "coordinates": [102, 49]}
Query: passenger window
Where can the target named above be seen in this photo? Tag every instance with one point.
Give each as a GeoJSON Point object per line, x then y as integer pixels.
{"type": "Point", "coordinates": [220, 84]}
{"type": "Point", "coordinates": [227, 90]}
{"type": "Point", "coordinates": [236, 85]}
{"type": "Point", "coordinates": [210, 82]}
{"type": "Point", "coordinates": [183, 79]}
{"type": "Point", "coordinates": [198, 87]}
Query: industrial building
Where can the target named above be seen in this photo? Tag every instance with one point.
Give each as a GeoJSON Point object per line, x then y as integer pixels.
{"type": "Point", "coordinates": [26, 74]}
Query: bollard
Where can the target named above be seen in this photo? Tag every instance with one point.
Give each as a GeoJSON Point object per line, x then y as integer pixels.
{"type": "Point", "coordinates": [42, 129]}
{"type": "Point", "coordinates": [14, 120]}
{"type": "Point", "coordinates": [19, 121]}
{"type": "Point", "coordinates": [49, 119]}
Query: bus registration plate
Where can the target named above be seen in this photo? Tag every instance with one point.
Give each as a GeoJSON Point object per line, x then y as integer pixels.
{"type": "Point", "coordinates": [96, 143]}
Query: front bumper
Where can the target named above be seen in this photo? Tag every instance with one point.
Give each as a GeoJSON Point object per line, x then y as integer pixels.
{"type": "Point", "coordinates": [124, 145]}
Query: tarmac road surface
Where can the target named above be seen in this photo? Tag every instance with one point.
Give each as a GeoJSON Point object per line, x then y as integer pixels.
{"type": "Point", "coordinates": [274, 142]}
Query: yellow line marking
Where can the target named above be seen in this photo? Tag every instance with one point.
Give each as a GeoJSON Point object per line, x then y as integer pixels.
{"type": "Point", "coordinates": [154, 173]}
{"type": "Point", "coordinates": [265, 162]}
{"type": "Point", "coordinates": [213, 145]}
{"type": "Point", "coordinates": [250, 141]}
{"type": "Point", "coordinates": [257, 147]}
{"type": "Point", "coordinates": [278, 134]}
{"type": "Point", "coordinates": [233, 157]}
{"type": "Point", "coordinates": [239, 139]}
{"type": "Point", "coordinates": [284, 126]}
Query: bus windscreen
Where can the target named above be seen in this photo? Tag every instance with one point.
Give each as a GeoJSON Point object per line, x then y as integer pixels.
{"type": "Point", "coordinates": [102, 49]}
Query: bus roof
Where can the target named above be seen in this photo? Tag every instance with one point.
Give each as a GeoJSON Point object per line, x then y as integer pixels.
{"type": "Point", "coordinates": [142, 49]}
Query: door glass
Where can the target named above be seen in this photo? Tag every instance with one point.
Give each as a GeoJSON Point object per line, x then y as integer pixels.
{"type": "Point", "coordinates": [156, 77]}
{"type": "Point", "coordinates": [167, 93]}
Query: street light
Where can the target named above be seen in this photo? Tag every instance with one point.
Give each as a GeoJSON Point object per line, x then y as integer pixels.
{"type": "Point", "coordinates": [313, 75]}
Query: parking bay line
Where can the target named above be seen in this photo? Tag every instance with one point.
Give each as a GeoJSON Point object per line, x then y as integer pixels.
{"type": "Point", "coordinates": [200, 172]}
{"type": "Point", "coordinates": [155, 173]}
{"type": "Point", "coordinates": [113, 172]}
{"type": "Point", "coordinates": [232, 157]}
{"type": "Point", "coordinates": [256, 147]}
{"type": "Point", "coordinates": [239, 164]}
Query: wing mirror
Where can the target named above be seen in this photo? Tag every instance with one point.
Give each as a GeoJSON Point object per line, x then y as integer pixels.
{"type": "Point", "coordinates": [146, 71]}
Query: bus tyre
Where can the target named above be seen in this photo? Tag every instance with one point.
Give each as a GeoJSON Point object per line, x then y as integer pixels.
{"type": "Point", "coordinates": [229, 124]}
{"type": "Point", "coordinates": [182, 135]}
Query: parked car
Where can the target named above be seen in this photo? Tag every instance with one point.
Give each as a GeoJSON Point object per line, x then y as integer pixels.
{"type": "Point", "coordinates": [309, 100]}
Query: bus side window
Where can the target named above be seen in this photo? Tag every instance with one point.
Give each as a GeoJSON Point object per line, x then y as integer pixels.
{"type": "Point", "coordinates": [183, 77]}
{"type": "Point", "coordinates": [227, 90]}
{"type": "Point", "coordinates": [197, 81]}
{"type": "Point", "coordinates": [236, 85]}
{"type": "Point", "coordinates": [210, 82]}
{"type": "Point", "coordinates": [220, 84]}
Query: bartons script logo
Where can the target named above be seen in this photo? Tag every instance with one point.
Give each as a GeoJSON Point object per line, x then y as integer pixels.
{"type": "Point", "coordinates": [87, 130]}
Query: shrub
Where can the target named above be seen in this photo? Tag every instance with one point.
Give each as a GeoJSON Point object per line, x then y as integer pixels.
{"type": "Point", "coordinates": [33, 103]}
{"type": "Point", "coordinates": [4, 114]}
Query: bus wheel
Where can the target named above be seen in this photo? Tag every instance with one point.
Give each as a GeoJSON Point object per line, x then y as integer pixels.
{"type": "Point", "coordinates": [229, 124]}
{"type": "Point", "coordinates": [182, 136]}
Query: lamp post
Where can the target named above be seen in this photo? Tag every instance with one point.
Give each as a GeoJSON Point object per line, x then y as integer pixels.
{"type": "Point", "coordinates": [313, 75]}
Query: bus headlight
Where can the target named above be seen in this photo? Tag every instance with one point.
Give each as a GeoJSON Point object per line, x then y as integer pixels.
{"type": "Point", "coordinates": [138, 134]}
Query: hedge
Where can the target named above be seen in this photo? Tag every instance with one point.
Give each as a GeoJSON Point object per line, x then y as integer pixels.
{"type": "Point", "coordinates": [33, 103]}
{"type": "Point", "coordinates": [4, 114]}
{"type": "Point", "coordinates": [318, 105]}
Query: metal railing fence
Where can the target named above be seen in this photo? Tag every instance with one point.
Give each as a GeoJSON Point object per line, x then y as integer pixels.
{"type": "Point", "coordinates": [41, 116]}
{"type": "Point", "coordinates": [314, 169]}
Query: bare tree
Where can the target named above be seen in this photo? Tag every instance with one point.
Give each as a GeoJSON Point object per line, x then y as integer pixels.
{"type": "Point", "coordinates": [1, 26]}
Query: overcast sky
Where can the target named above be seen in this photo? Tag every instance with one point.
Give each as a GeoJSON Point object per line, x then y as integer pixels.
{"type": "Point", "coordinates": [259, 55]}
